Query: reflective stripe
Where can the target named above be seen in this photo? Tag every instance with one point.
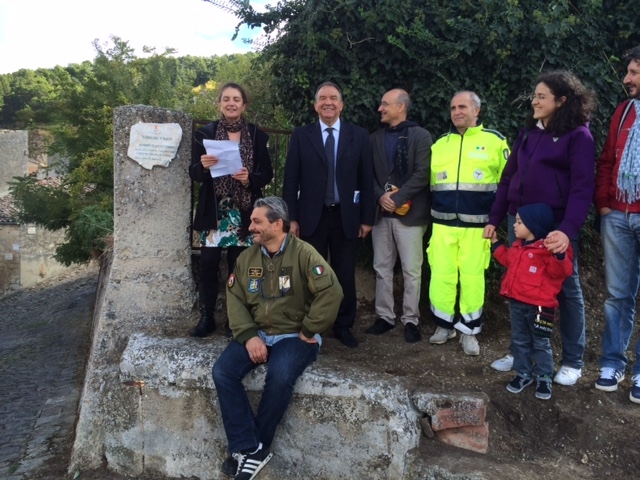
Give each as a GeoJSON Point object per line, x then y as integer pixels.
{"type": "Point", "coordinates": [473, 218]}
{"type": "Point", "coordinates": [461, 216]}
{"type": "Point", "coordinates": [443, 216]}
{"type": "Point", "coordinates": [466, 187]}
{"type": "Point", "coordinates": [446, 317]}
{"type": "Point", "coordinates": [469, 317]}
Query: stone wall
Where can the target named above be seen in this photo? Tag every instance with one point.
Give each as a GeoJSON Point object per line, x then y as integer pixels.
{"type": "Point", "coordinates": [14, 156]}
{"type": "Point", "coordinates": [10, 258]}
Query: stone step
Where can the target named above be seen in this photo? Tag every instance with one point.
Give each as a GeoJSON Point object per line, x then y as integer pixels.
{"type": "Point", "coordinates": [341, 424]}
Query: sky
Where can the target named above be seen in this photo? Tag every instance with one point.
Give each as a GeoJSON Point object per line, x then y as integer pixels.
{"type": "Point", "coordinates": [45, 33]}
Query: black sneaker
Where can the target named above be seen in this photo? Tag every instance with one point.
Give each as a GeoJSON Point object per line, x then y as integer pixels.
{"type": "Point", "coordinates": [250, 464]}
{"type": "Point", "coordinates": [412, 333]}
{"type": "Point", "coordinates": [519, 383]}
{"type": "Point", "coordinates": [379, 327]}
{"type": "Point", "coordinates": [543, 388]}
{"type": "Point", "coordinates": [230, 465]}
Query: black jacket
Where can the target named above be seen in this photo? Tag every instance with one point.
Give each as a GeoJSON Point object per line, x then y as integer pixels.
{"type": "Point", "coordinates": [261, 175]}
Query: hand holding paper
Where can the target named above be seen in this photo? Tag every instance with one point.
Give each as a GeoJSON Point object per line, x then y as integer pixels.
{"type": "Point", "coordinates": [228, 154]}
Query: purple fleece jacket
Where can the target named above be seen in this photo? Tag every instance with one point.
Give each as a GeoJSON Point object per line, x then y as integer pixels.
{"type": "Point", "coordinates": [556, 170]}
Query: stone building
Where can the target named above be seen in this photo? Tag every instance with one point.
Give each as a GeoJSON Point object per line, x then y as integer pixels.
{"type": "Point", "coordinates": [26, 251]}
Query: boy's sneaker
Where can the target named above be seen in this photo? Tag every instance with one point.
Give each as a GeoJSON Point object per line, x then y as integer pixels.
{"type": "Point", "coordinates": [634, 395]}
{"type": "Point", "coordinates": [519, 383]}
{"type": "Point", "coordinates": [567, 375]}
{"type": "Point", "coordinates": [503, 364]}
{"type": "Point", "coordinates": [250, 464]}
{"type": "Point", "coordinates": [441, 335]}
{"type": "Point", "coordinates": [230, 465]}
{"type": "Point", "coordinates": [609, 379]}
{"type": "Point", "coordinates": [543, 388]}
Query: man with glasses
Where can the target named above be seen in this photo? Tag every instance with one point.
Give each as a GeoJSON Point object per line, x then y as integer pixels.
{"type": "Point", "coordinates": [280, 297]}
{"type": "Point", "coordinates": [401, 159]}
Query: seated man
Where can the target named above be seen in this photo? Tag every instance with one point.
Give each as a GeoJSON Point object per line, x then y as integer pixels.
{"type": "Point", "coordinates": [280, 297]}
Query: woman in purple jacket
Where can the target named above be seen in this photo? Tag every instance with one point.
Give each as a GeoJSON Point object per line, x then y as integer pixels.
{"type": "Point", "coordinates": [552, 161]}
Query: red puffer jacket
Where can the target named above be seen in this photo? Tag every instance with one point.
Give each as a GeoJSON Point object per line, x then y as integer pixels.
{"type": "Point", "coordinates": [534, 275]}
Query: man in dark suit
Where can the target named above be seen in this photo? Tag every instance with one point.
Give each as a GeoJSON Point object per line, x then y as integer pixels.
{"type": "Point", "coordinates": [401, 162]}
{"type": "Point", "coordinates": [328, 187]}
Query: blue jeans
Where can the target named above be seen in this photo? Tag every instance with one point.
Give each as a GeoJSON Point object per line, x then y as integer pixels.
{"type": "Point", "coordinates": [621, 242]}
{"type": "Point", "coordinates": [526, 346]}
{"type": "Point", "coordinates": [287, 359]}
{"type": "Point", "coordinates": [572, 321]}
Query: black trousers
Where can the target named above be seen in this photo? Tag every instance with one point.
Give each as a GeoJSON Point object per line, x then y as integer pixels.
{"type": "Point", "coordinates": [209, 284]}
{"type": "Point", "coordinates": [330, 242]}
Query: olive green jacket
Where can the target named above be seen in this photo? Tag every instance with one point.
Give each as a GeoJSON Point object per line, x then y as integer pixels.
{"type": "Point", "coordinates": [294, 291]}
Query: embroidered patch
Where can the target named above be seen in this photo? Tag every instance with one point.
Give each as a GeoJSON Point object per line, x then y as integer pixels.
{"type": "Point", "coordinates": [533, 269]}
{"type": "Point", "coordinates": [232, 280]}
{"type": "Point", "coordinates": [479, 148]}
{"type": "Point", "coordinates": [318, 269]}
{"type": "Point", "coordinates": [254, 285]}
{"type": "Point", "coordinates": [478, 174]}
{"type": "Point", "coordinates": [255, 272]}
{"type": "Point", "coordinates": [440, 176]}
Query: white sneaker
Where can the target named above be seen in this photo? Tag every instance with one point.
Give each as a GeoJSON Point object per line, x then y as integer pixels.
{"type": "Point", "coordinates": [567, 375]}
{"type": "Point", "coordinates": [442, 335]}
{"type": "Point", "coordinates": [503, 364]}
{"type": "Point", "coordinates": [470, 344]}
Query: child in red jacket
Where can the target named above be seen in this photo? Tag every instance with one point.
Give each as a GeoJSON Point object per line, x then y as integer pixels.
{"type": "Point", "coordinates": [533, 280]}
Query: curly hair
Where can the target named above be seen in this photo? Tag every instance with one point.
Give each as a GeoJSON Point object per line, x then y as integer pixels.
{"type": "Point", "coordinates": [631, 55]}
{"type": "Point", "coordinates": [576, 110]}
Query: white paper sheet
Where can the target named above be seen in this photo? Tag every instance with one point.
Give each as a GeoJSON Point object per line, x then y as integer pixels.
{"type": "Point", "coordinates": [228, 154]}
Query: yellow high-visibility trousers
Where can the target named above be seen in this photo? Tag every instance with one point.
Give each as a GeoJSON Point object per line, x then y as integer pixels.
{"type": "Point", "coordinates": [458, 256]}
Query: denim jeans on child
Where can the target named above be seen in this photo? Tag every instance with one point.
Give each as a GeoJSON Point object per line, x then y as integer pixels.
{"type": "Point", "coordinates": [287, 359]}
{"type": "Point", "coordinates": [571, 307]}
{"type": "Point", "coordinates": [621, 243]}
{"type": "Point", "coordinates": [531, 353]}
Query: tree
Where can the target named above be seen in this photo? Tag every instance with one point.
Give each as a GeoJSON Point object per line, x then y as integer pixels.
{"type": "Point", "coordinates": [434, 48]}
{"type": "Point", "coordinates": [76, 104]}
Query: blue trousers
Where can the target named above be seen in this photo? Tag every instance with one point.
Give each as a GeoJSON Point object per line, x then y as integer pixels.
{"type": "Point", "coordinates": [287, 359]}
{"type": "Point", "coordinates": [621, 243]}
{"type": "Point", "coordinates": [531, 353]}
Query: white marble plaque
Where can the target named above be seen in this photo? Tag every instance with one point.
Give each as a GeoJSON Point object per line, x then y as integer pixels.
{"type": "Point", "coordinates": [153, 144]}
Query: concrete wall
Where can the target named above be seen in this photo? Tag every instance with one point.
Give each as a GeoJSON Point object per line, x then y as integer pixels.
{"type": "Point", "coordinates": [149, 287]}
{"type": "Point", "coordinates": [14, 156]}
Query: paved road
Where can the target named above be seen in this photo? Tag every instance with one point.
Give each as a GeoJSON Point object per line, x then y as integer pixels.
{"type": "Point", "coordinates": [44, 341]}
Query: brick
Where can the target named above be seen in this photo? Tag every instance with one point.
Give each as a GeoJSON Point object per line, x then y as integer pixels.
{"type": "Point", "coordinates": [459, 414]}
{"type": "Point", "coordinates": [474, 438]}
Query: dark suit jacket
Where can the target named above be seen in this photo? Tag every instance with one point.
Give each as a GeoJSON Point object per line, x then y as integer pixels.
{"type": "Point", "coordinates": [306, 172]}
{"type": "Point", "coordinates": [416, 186]}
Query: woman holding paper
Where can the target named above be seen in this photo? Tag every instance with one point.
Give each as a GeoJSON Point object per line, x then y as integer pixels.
{"type": "Point", "coordinates": [225, 202]}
